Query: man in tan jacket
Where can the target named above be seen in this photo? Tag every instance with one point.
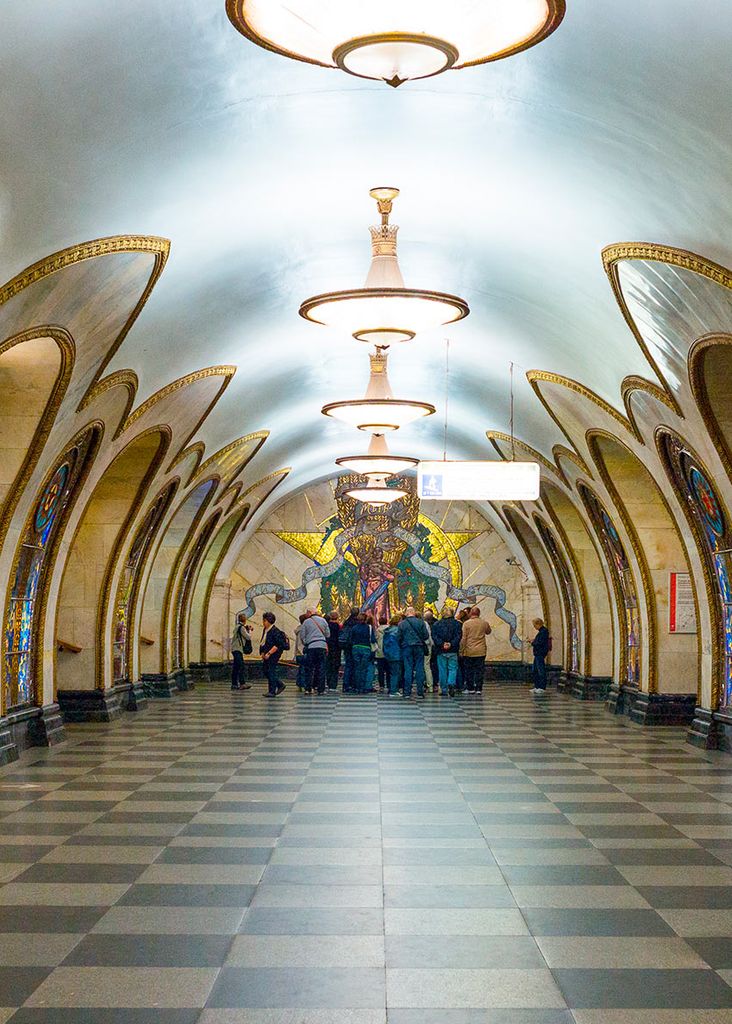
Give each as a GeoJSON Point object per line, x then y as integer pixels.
{"type": "Point", "coordinates": [473, 650]}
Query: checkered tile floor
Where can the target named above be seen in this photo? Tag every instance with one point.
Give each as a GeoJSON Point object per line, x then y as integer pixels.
{"type": "Point", "coordinates": [323, 860]}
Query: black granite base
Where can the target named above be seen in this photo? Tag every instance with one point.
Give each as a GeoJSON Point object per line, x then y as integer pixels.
{"type": "Point", "coordinates": [663, 709]}
{"type": "Point", "coordinates": [159, 684]}
{"type": "Point", "coordinates": [711, 730]}
{"type": "Point", "coordinates": [136, 697]}
{"type": "Point", "coordinates": [620, 699]}
{"type": "Point", "coordinates": [509, 671]}
{"type": "Point", "coordinates": [594, 688]}
{"type": "Point", "coordinates": [47, 728]}
{"type": "Point", "coordinates": [199, 672]}
{"type": "Point", "coordinates": [91, 705]}
{"type": "Point", "coordinates": [183, 679]}
{"type": "Point", "coordinates": [8, 748]}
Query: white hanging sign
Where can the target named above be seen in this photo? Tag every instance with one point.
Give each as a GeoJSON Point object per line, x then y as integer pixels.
{"type": "Point", "coordinates": [478, 481]}
{"type": "Point", "coordinates": [681, 607]}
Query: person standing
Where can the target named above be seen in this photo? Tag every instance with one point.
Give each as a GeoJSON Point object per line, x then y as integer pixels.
{"type": "Point", "coordinates": [300, 655]}
{"type": "Point", "coordinates": [474, 650]}
{"type": "Point", "coordinates": [540, 645]}
{"type": "Point", "coordinates": [428, 619]}
{"type": "Point", "coordinates": [347, 648]}
{"type": "Point", "coordinates": [314, 633]}
{"type": "Point", "coordinates": [274, 644]}
{"type": "Point", "coordinates": [362, 637]}
{"type": "Point", "coordinates": [413, 637]}
{"type": "Point", "coordinates": [462, 618]}
{"type": "Point", "coordinates": [393, 655]}
{"type": "Point", "coordinates": [333, 658]}
{"type": "Point", "coordinates": [382, 665]}
{"type": "Point", "coordinates": [447, 634]}
{"type": "Point", "coordinates": [241, 644]}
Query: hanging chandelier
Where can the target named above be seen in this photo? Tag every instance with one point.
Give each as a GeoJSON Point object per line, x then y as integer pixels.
{"type": "Point", "coordinates": [384, 311]}
{"type": "Point", "coordinates": [378, 462]}
{"type": "Point", "coordinates": [378, 411]}
{"type": "Point", "coordinates": [376, 491]}
{"type": "Point", "coordinates": [396, 40]}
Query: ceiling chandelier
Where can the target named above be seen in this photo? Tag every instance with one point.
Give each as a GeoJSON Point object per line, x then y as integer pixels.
{"type": "Point", "coordinates": [384, 311]}
{"type": "Point", "coordinates": [396, 40]}
{"type": "Point", "coordinates": [378, 462]}
{"type": "Point", "coordinates": [376, 491]}
{"type": "Point", "coordinates": [378, 411]}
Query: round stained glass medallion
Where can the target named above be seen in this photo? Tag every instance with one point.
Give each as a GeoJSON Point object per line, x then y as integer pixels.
{"type": "Point", "coordinates": [707, 502]}
{"type": "Point", "coordinates": [49, 502]}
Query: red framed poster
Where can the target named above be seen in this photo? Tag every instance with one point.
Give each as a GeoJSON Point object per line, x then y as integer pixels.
{"type": "Point", "coordinates": [681, 607]}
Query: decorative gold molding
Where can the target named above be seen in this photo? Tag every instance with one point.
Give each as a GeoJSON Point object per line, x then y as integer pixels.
{"type": "Point", "coordinates": [538, 377]}
{"type": "Point", "coordinates": [197, 450]}
{"type": "Point", "coordinates": [709, 585]}
{"type": "Point", "coordinates": [632, 384]}
{"type": "Point", "coordinates": [591, 438]}
{"type": "Point", "coordinates": [258, 435]}
{"type": "Point", "coordinates": [120, 378]}
{"type": "Point", "coordinates": [560, 451]}
{"type": "Point", "coordinates": [186, 588]}
{"type": "Point", "coordinates": [238, 520]}
{"type": "Point", "coordinates": [278, 473]}
{"type": "Point", "coordinates": [614, 255]}
{"type": "Point", "coordinates": [67, 353]}
{"type": "Point", "coordinates": [497, 435]}
{"type": "Point", "coordinates": [226, 371]}
{"type": "Point", "coordinates": [697, 381]}
{"type": "Point", "coordinates": [578, 581]}
{"type": "Point", "coordinates": [509, 514]}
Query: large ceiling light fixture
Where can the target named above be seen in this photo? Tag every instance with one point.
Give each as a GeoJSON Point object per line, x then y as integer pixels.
{"type": "Point", "coordinates": [396, 40]}
{"type": "Point", "coordinates": [378, 411]}
{"type": "Point", "coordinates": [384, 311]}
{"type": "Point", "coordinates": [376, 491]}
{"type": "Point", "coordinates": [378, 462]}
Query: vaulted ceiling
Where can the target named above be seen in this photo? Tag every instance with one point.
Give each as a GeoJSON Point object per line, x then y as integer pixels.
{"type": "Point", "coordinates": [155, 117]}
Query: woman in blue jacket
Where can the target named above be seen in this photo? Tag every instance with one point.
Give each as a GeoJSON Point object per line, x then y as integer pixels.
{"type": "Point", "coordinates": [362, 637]}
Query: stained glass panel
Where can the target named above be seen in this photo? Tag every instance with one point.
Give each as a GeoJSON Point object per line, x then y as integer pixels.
{"type": "Point", "coordinates": [566, 584]}
{"type": "Point", "coordinates": [188, 578]}
{"type": "Point", "coordinates": [624, 583]}
{"type": "Point", "coordinates": [710, 524]}
{"type": "Point", "coordinates": [35, 556]}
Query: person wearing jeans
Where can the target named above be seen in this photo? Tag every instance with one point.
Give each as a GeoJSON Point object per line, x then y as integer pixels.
{"type": "Point", "coordinates": [446, 635]}
{"type": "Point", "coordinates": [274, 643]}
{"type": "Point", "coordinates": [314, 633]}
{"type": "Point", "coordinates": [393, 654]}
{"type": "Point", "coordinates": [241, 644]}
{"type": "Point", "coordinates": [540, 646]}
{"type": "Point", "coordinates": [362, 637]}
{"type": "Point", "coordinates": [473, 649]}
{"type": "Point", "coordinates": [413, 636]}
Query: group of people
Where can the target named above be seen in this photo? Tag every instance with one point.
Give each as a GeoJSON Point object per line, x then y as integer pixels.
{"type": "Point", "coordinates": [408, 652]}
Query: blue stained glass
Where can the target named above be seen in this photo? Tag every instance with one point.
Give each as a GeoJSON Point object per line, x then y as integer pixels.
{"type": "Point", "coordinates": [567, 589]}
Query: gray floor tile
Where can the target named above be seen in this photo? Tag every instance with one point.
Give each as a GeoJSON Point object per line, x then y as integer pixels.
{"type": "Point", "coordinates": [332, 988]}
{"type": "Point", "coordinates": [656, 989]}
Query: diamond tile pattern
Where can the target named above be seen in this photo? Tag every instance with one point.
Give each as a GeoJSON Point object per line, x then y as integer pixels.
{"type": "Point", "coordinates": [313, 860]}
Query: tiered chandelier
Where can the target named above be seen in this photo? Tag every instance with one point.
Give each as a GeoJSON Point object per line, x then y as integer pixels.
{"type": "Point", "coordinates": [384, 310]}
{"type": "Point", "coordinates": [396, 40]}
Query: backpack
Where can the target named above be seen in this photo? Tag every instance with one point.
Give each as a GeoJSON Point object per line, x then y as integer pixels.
{"type": "Point", "coordinates": [344, 637]}
{"type": "Point", "coordinates": [391, 648]}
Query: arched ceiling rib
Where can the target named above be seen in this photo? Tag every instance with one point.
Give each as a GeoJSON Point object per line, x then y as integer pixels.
{"type": "Point", "coordinates": [514, 177]}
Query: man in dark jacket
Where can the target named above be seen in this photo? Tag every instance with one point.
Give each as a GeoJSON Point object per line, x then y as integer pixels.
{"type": "Point", "coordinates": [413, 638]}
{"type": "Point", "coordinates": [333, 658]}
{"type": "Point", "coordinates": [540, 645]}
{"type": "Point", "coordinates": [347, 648]}
{"type": "Point", "coordinates": [446, 636]}
{"type": "Point", "coordinates": [274, 642]}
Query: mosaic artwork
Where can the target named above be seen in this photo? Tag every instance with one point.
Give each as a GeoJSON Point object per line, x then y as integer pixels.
{"type": "Point", "coordinates": [382, 559]}
{"type": "Point", "coordinates": [566, 584]}
{"type": "Point", "coordinates": [129, 581]}
{"type": "Point", "coordinates": [705, 510]}
{"type": "Point", "coordinates": [35, 549]}
{"type": "Point", "coordinates": [623, 580]}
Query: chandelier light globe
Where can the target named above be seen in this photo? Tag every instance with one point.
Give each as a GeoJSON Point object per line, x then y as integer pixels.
{"type": "Point", "coordinates": [396, 40]}
{"type": "Point", "coordinates": [378, 412]}
{"type": "Point", "coordinates": [378, 462]}
{"type": "Point", "coordinates": [376, 492]}
{"type": "Point", "coordinates": [384, 310]}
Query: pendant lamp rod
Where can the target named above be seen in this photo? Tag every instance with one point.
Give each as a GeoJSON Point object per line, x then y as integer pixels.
{"type": "Point", "coordinates": [513, 446]}
{"type": "Point", "coordinates": [447, 394]}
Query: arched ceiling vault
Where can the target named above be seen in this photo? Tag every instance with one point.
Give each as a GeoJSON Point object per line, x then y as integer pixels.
{"type": "Point", "coordinates": [158, 121]}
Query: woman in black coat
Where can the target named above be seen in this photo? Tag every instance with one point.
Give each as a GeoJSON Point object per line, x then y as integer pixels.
{"type": "Point", "coordinates": [541, 645]}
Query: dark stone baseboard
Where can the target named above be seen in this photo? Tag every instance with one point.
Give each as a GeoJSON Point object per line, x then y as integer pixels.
{"type": "Point", "coordinates": [8, 747]}
{"type": "Point", "coordinates": [592, 688]}
{"type": "Point", "coordinates": [663, 709]}
{"type": "Point", "coordinates": [509, 671]}
{"type": "Point", "coordinates": [199, 671]}
{"type": "Point", "coordinates": [137, 699]}
{"type": "Point", "coordinates": [183, 679]}
{"type": "Point", "coordinates": [620, 699]}
{"type": "Point", "coordinates": [711, 730]}
{"type": "Point", "coordinates": [91, 705]}
{"type": "Point", "coordinates": [159, 684]}
{"type": "Point", "coordinates": [47, 728]}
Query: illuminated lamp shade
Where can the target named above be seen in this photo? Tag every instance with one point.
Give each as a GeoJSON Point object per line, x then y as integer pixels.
{"type": "Point", "coordinates": [384, 311]}
{"type": "Point", "coordinates": [396, 40]}
{"type": "Point", "coordinates": [376, 492]}
{"type": "Point", "coordinates": [379, 411]}
{"type": "Point", "coordinates": [379, 462]}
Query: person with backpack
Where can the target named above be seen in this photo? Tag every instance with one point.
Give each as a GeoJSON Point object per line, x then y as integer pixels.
{"type": "Point", "coordinates": [314, 633]}
{"type": "Point", "coordinates": [333, 658]}
{"type": "Point", "coordinates": [347, 648]}
{"type": "Point", "coordinates": [447, 633]}
{"type": "Point", "coordinates": [540, 645]}
{"type": "Point", "coordinates": [273, 645]}
{"type": "Point", "coordinates": [413, 639]}
{"type": "Point", "coordinates": [241, 644]}
{"type": "Point", "coordinates": [393, 655]}
{"type": "Point", "coordinates": [362, 637]}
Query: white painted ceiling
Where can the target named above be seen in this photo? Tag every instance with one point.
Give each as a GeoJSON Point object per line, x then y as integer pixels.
{"type": "Point", "coordinates": [157, 117]}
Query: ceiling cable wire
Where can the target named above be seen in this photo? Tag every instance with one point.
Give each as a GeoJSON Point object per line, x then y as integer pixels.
{"type": "Point", "coordinates": [447, 394]}
{"type": "Point", "coordinates": [513, 446]}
